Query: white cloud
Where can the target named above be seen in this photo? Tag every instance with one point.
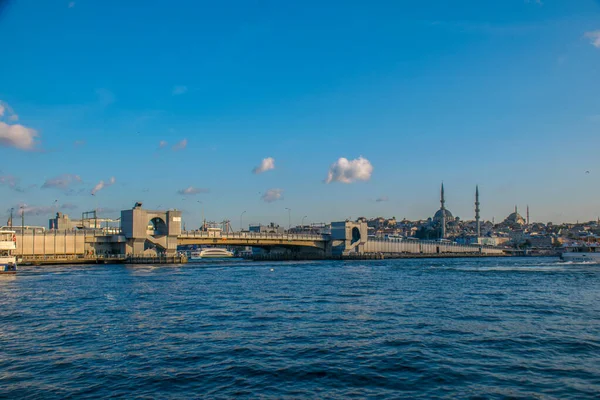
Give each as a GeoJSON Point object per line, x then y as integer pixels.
{"type": "Point", "coordinates": [180, 145]}
{"type": "Point", "coordinates": [177, 90]}
{"type": "Point", "coordinates": [35, 210]}
{"type": "Point", "coordinates": [272, 195]}
{"type": "Point", "coordinates": [162, 144]}
{"type": "Point", "coordinates": [594, 37]}
{"type": "Point", "coordinates": [192, 191]}
{"type": "Point", "coordinates": [62, 182]}
{"type": "Point", "coordinates": [346, 171]}
{"type": "Point", "coordinates": [106, 210]}
{"type": "Point", "coordinates": [7, 110]}
{"type": "Point", "coordinates": [101, 185]}
{"type": "Point", "coordinates": [69, 206]}
{"type": "Point", "coordinates": [17, 136]}
{"type": "Point", "coordinates": [10, 181]}
{"type": "Point", "coordinates": [13, 183]}
{"type": "Point", "coordinates": [382, 199]}
{"type": "Point", "coordinates": [265, 165]}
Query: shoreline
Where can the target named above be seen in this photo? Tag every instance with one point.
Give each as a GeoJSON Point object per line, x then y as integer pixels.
{"type": "Point", "coordinates": [263, 258]}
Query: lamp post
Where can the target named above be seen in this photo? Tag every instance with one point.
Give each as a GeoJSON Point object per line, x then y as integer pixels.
{"type": "Point", "coordinates": [202, 212]}
{"type": "Point", "coordinates": [303, 222]}
{"type": "Point", "coordinates": [241, 226]}
{"type": "Point", "coordinates": [289, 218]}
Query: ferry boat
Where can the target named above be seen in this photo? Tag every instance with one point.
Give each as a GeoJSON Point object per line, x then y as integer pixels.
{"type": "Point", "coordinates": [8, 243]}
{"type": "Point", "coordinates": [582, 252]}
{"type": "Point", "coordinates": [212, 252]}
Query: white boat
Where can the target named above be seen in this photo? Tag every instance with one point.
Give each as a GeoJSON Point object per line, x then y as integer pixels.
{"type": "Point", "coordinates": [212, 252]}
{"type": "Point", "coordinates": [8, 243]}
{"type": "Point", "coordinates": [585, 252]}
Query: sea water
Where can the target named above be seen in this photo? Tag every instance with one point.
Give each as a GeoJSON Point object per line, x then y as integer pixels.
{"type": "Point", "coordinates": [418, 329]}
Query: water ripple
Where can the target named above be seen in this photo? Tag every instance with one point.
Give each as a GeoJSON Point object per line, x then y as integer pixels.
{"type": "Point", "coordinates": [419, 329]}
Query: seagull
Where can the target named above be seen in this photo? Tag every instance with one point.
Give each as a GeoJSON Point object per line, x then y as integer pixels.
{"type": "Point", "coordinates": [587, 172]}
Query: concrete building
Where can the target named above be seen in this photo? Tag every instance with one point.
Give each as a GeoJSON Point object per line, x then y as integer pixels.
{"type": "Point", "coordinates": [270, 228]}
{"type": "Point", "coordinates": [348, 237]}
{"type": "Point", "coordinates": [63, 222]}
{"type": "Point", "coordinates": [150, 230]}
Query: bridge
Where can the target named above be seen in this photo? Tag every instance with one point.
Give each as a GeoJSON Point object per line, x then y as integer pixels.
{"type": "Point", "coordinates": [145, 233]}
{"type": "Point", "coordinates": [254, 239]}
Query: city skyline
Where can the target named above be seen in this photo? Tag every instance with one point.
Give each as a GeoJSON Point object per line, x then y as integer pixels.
{"type": "Point", "coordinates": [41, 214]}
{"type": "Point", "coordinates": [357, 110]}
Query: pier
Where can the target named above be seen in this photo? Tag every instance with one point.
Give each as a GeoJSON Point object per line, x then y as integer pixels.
{"type": "Point", "coordinates": [62, 259]}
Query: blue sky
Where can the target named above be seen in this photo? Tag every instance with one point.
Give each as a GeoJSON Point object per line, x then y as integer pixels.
{"type": "Point", "coordinates": [180, 101]}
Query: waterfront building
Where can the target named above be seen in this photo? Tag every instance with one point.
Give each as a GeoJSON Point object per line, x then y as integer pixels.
{"type": "Point", "coordinates": [270, 228]}
{"type": "Point", "coordinates": [63, 222]}
{"type": "Point", "coordinates": [485, 240]}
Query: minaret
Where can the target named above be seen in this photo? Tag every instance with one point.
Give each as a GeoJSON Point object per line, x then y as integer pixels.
{"type": "Point", "coordinates": [443, 202]}
{"type": "Point", "coordinates": [527, 214]}
{"type": "Point", "coordinates": [477, 211]}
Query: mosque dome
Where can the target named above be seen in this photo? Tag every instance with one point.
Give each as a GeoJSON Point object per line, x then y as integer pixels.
{"type": "Point", "coordinates": [442, 212]}
{"type": "Point", "coordinates": [515, 218]}
{"type": "Point", "coordinates": [447, 214]}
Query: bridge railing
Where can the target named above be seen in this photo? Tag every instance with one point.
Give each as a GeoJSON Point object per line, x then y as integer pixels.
{"type": "Point", "coordinates": [79, 232]}
{"type": "Point", "coordinates": [253, 235]}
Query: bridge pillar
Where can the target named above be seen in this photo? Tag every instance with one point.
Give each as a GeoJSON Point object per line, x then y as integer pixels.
{"type": "Point", "coordinates": [348, 237]}
{"type": "Point", "coordinates": [148, 231]}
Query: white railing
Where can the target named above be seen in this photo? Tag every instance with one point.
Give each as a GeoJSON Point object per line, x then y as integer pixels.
{"type": "Point", "coordinates": [78, 232]}
{"type": "Point", "coordinates": [253, 235]}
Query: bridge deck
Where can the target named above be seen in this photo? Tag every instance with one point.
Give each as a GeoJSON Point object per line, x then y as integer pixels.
{"type": "Point", "coordinates": [252, 239]}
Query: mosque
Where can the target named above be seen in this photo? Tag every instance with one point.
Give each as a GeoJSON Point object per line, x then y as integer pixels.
{"type": "Point", "coordinates": [444, 220]}
{"type": "Point", "coordinates": [515, 220]}
{"type": "Point", "coordinates": [443, 216]}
